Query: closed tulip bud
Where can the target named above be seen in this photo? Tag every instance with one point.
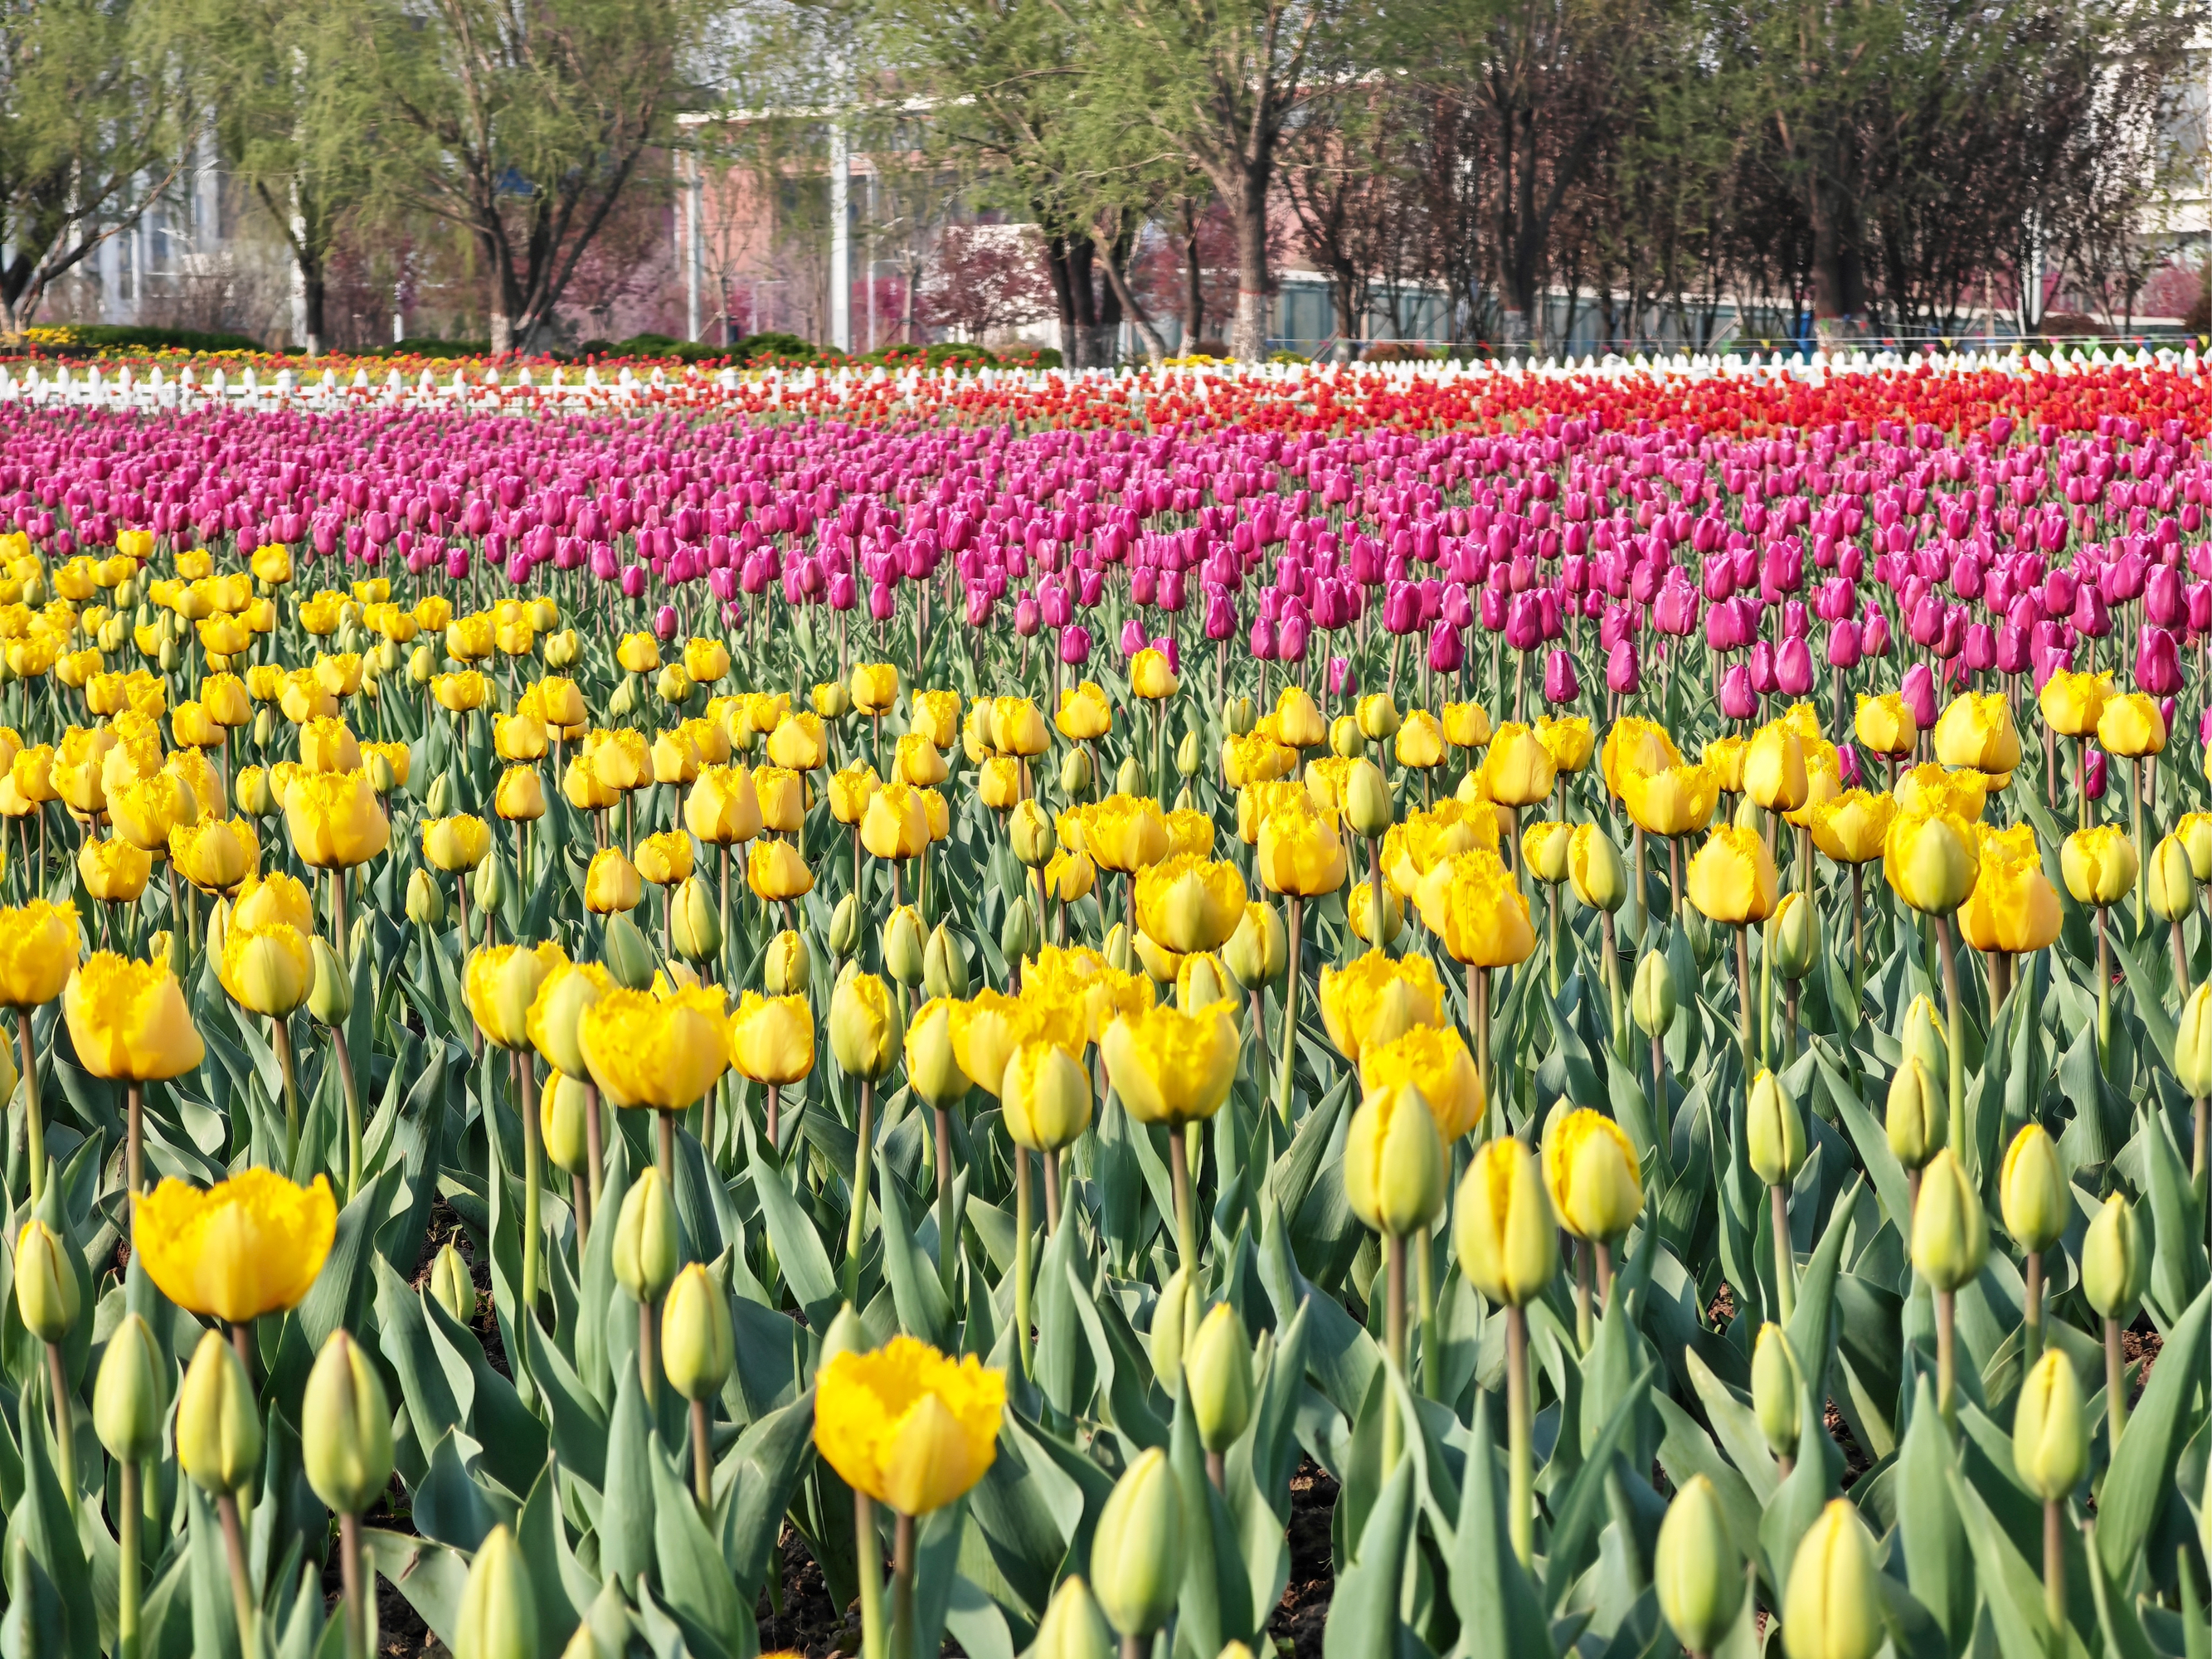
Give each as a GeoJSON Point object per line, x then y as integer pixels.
{"type": "Point", "coordinates": [647, 1250]}
{"type": "Point", "coordinates": [944, 965]}
{"type": "Point", "coordinates": [1592, 1172]}
{"type": "Point", "coordinates": [1073, 1628]}
{"type": "Point", "coordinates": [2115, 1260]}
{"type": "Point", "coordinates": [131, 1393]}
{"type": "Point", "coordinates": [1950, 1234]}
{"type": "Point", "coordinates": [345, 1427]}
{"type": "Point", "coordinates": [787, 968]}
{"type": "Point", "coordinates": [1346, 741]}
{"type": "Point", "coordinates": [490, 882]}
{"type": "Point", "coordinates": [2172, 881]}
{"type": "Point", "coordinates": [1777, 1390]}
{"type": "Point", "coordinates": [47, 1292]}
{"type": "Point", "coordinates": [1367, 804]}
{"type": "Point", "coordinates": [1173, 1318]}
{"type": "Point", "coordinates": [697, 1345]}
{"type": "Point", "coordinates": [1696, 1572]}
{"type": "Point", "coordinates": [626, 954]}
{"type": "Point", "coordinates": [1793, 933]}
{"type": "Point", "coordinates": [904, 946]}
{"type": "Point", "coordinates": [426, 905]}
{"type": "Point", "coordinates": [1239, 715]}
{"type": "Point", "coordinates": [1129, 777]}
{"type": "Point", "coordinates": [2192, 1044]}
{"type": "Point", "coordinates": [1924, 1036]}
{"type": "Point", "coordinates": [1832, 1608]}
{"type": "Point", "coordinates": [1136, 1552]}
{"type": "Point", "coordinates": [499, 1609]}
{"type": "Point", "coordinates": [1594, 868]}
{"type": "Point", "coordinates": [561, 1119]}
{"type": "Point", "coordinates": [1120, 954]}
{"type": "Point", "coordinates": [2050, 1438]}
{"type": "Point", "coordinates": [438, 802]}
{"type": "Point", "coordinates": [1189, 754]}
{"type": "Point", "coordinates": [845, 928]}
{"type": "Point", "coordinates": [456, 1292]}
{"type": "Point", "coordinates": [1259, 950]}
{"type": "Point", "coordinates": [1019, 935]}
{"type": "Point", "coordinates": [846, 1334]}
{"type": "Point", "coordinates": [1217, 1373]}
{"type": "Point", "coordinates": [218, 1428]}
{"type": "Point", "coordinates": [1774, 1132]}
{"type": "Point", "coordinates": [694, 926]}
{"type": "Point", "coordinates": [1076, 773]}
{"type": "Point", "coordinates": [1503, 1227]}
{"type": "Point", "coordinates": [1917, 1116]}
{"type": "Point", "coordinates": [2032, 1193]}
{"type": "Point", "coordinates": [1394, 1166]}
{"type": "Point", "coordinates": [1046, 1096]}
{"type": "Point", "coordinates": [331, 1000]}
{"type": "Point", "coordinates": [1652, 999]}
{"type": "Point", "coordinates": [264, 728]}
{"type": "Point", "coordinates": [1030, 829]}
{"type": "Point", "coordinates": [864, 1031]}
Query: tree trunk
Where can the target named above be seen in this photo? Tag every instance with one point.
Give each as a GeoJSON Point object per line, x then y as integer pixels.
{"type": "Point", "coordinates": [1250, 343]}
{"type": "Point", "coordinates": [1193, 297]}
{"type": "Point", "coordinates": [1063, 297]}
{"type": "Point", "coordinates": [1835, 273]}
{"type": "Point", "coordinates": [1118, 292]}
{"type": "Point", "coordinates": [313, 285]}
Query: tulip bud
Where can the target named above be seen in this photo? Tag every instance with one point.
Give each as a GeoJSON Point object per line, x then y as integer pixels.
{"type": "Point", "coordinates": [9, 1077]}
{"type": "Point", "coordinates": [1119, 954]}
{"type": "Point", "coordinates": [846, 1334]}
{"type": "Point", "coordinates": [1593, 865]}
{"type": "Point", "coordinates": [648, 1247]}
{"type": "Point", "coordinates": [628, 956]}
{"type": "Point", "coordinates": [787, 968]}
{"type": "Point", "coordinates": [1950, 1234]}
{"type": "Point", "coordinates": [1925, 1035]}
{"type": "Point", "coordinates": [944, 965]}
{"type": "Point", "coordinates": [1189, 754]}
{"type": "Point", "coordinates": [421, 665]}
{"type": "Point", "coordinates": [439, 803]}
{"type": "Point", "coordinates": [1774, 1132]}
{"type": "Point", "coordinates": [264, 728]}
{"type": "Point", "coordinates": [1346, 741]}
{"type": "Point", "coordinates": [2032, 1192]}
{"type": "Point", "coordinates": [1652, 999]}
{"type": "Point", "coordinates": [1394, 1166]}
{"type": "Point", "coordinates": [1136, 1552]}
{"type": "Point", "coordinates": [1202, 981]}
{"type": "Point", "coordinates": [330, 999]}
{"type": "Point", "coordinates": [697, 1345]}
{"type": "Point", "coordinates": [2171, 882]}
{"type": "Point", "coordinates": [695, 928]}
{"type": "Point", "coordinates": [1019, 935]}
{"type": "Point", "coordinates": [499, 1610]}
{"type": "Point", "coordinates": [2115, 1260]}
{"type": "Point", "coordinates": [1076, 775]}
{"type": "Point", "coordinates": [1258, 951]}
{"type": "Point", "coordinates": [1918, 1115]}
{"type": "Point", "coordinates": [1793, 933]}
{"type": "Point", "coordinates": [1367, 804]}
{"type": "Point", "coordinates": [1239, 715]}
{"type": "Point", "coordinates": [345, 1427]}
{"type": "Point", "coordinates": [218, 1428]}
{"type": "Point", "coordinates": [844, 928]}
{"type": "Point", "coordinates": [1073, 1628]}
{"type": "Point", "coordinates": [1172, 1317]}
{"type": "Point", "coordinates": [1777, 1390]}
{"type": "Point", "coordinates": [1030, 829]}
{"type": "Point", "coordinates": [490, 882]}
{"type": "Point", "coordinates": [2050, 1440]}
{"type": "Point", "coordinates": [426, 905]}
{"type": "Point", "coordinates": [47, 1292]}
{"type": "Point", "coordinates": [1217, 1378]}
{"type": "Point", "coordinates": [904, 946]}
{"type": "Point", "coordinates": [450, 1283]}
{"type": "Point", "coordinates": [1696, 1572]}
{"type": "Point", "coordinates": [1129, 778]}
{"type": "Point", "coordinates": [624, 701]}
{"type": "Point", "coordinates": [2192, 1044]}
{"type": "Point", "coordinates": [1832, 1608]}
{"type": "Point", "coordinates": [561, 1122]}
{"type": "Point", "coordinates": [133, 1393]}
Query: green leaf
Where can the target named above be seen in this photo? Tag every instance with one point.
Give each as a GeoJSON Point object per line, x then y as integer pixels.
{"type": "Point", "coordinates": [695, 1582]}
{"type": "Point", "coordinates": [915, 1289]}
{"type": "Point", "coordinates": [2150, 998]}
{"type": "Point", "coordinates": [1736, 1426]}
{"type": "Point", "coordinates": [2012, 1590]}
{"type": "Point", "coordinates": [1582, 1509]}
{"type": "Point", "coordinates": [1938, 1564]}
{"type": "Point", "coordinates": [2139, 1479]}
{"type": "Point", "coordinates": [799, 1252]}
{"type": "Point", "coordinates": [1215, 1607]}
{"type": "Point", "coordinates": [431, 1576]}
{"type": "Point", "coordinates": [763, 1467]}
{"type": "Point", "coordinates": [1363, 1615]}
{"type": "Point", "coordinates": [1500, 1617]}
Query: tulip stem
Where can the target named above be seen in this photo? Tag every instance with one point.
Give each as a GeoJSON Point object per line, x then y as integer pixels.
{"type": "Point", "coordinates": [1286, 1063]}
{"type": "Point", "coordinates": [702, 1462]}
{"type": "Point", "coordinates": [244, 1608]}
{"type": "Point", "coordinates": [947, 1235]}
{"type": "Point", "coordinates": [280, 1038]}
{"type": "Point", "coordinates": [1946, 950]}
{"type": "Point", "coordinates": [863, 1160]}
{"type": "Point", "coordinates": [65, 1433]}
{"type": "Point", "coordinates": [1858, 942]}
{"type": "Point", "coordinates": [869, 1550]}
{"type": "Point", "coordinates": [1947, 1359]}
{"type": "Point", "coordinates": [2054, 1571]}
{"type": "Point", "coordinates": [2116, 1390]}
{"type": "Point", "coordinates": [1024, 1224]}
{"type": "Point", "coordinates": [2104, 996]}
{"type": "Point", "coordinates": [1393, 1337]}
{"type": "Point", "coordinates": [1186, 1204]}
{"type": "Point", "coordinates": [1520, 1430]}
{"type": "Point", "coordinates": [594, 1144]}
{"type": "Point", "coordinates": [128, 1525]}
{"type": "Point", "coordinates": [1744, 1011]}
{"type": "Point", "coordinates": [2031, 1309]}
{"type": "Point", "coordinates": [1586, 1330]}
{"type": "Point", "coordinates": [532, 1180]}
{"type": "Point", "coordinates": [649, 1366]}
{"type": "Point", "coordinates": [1425, 1291]}
{"type": "Point", "coordinates": [1785, 1253]}
{"type": "Point", "coordinates": [352, 1111]}
{"type": "Point", "coordinates": [356, 1611]}
{"type": "Point", "coordinates": [903, 1631]}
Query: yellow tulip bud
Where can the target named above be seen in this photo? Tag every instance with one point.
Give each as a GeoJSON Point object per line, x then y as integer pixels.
{"type": "Point", "coordinates": [2192, 1044]}
{"type": "Point", "coordinates": [1793, 933]}
{"type": "Point", "coordinates": [131, 1393]}
{"type": "Point", "coordinates": [698, 1346]}
{"type": "Point", "coordinates": [2115, 1260]}
{"type": "Point", "coordinates": [47, 1295]}
{"type": "Point", "coordinates": [1073, 1628]}
{"type": "Point", "coordinates": [1917, 1116]}
{"type": "Point", "coordinates": [2050, 1438]}
{"type": "Point", "coordinates": [1774, 1132]}
{"type": "Point", "coordinates": [1136, 1551]}
{"type": "Point", "coordinates": [1777, 1390]}
{"type": "Point", "coordinates": [646, 1257]}
{"type": "Point", "coordinates": [1503, 1227]}
{"type": "Point", "coordinates": [499, 1610]}
{"type": "Point", "coordinates": [1652, 999]}
{"type": "Point", "coordinates": [218, 1427]}
{"type": "Point", "coordinates": [1832, 1608]}
{"type": "Point", "coordinates": [452, 1287]}
{"type": "Point", "coordinates": [345, 1427]}
{"type": "Point", "coordinates": [1696, 1571]}
{"type": "Point", "coordinates": [1950, 1234]}
{"type": "Point", "coordinates": [2172, 881]}
{"type": "Point", "coordinates": [2033, 1194]}
{"type": "Point", "coordinates": [1217, 1373]}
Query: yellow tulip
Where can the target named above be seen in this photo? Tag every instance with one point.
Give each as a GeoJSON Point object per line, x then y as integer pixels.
{"type": "Point", "coordinates": [644, 1050]}
{"type": "Point", "coordinates": [875, 686]}
{"type": "Point", "coordinates": [1377, 999]}
{"type": "Point", "coordinates": [1593, 1175]}
{"type": "Point", "coordinates": [335, 820]}
{"type": "Point", "coordinates": [1671, 800]}
{"type": "Point", "coordinates": [1931, 861]}
{"type": "Point", "coordinates": [1436, 1062]}
{"type": "Point", "coordinates": [1171, 1067]}
{"type": "Point", "coordinates": [1504, 1227]}
{"type": "Point", "coordinates": [501, 984]}
{"type": "Point", "coordinates": [907, 1425]}
{"type": "Point", "coordinates": [775, 871]}
{"type": "Point", "coordinates": [2072, 702]}
{"type": "Point", "coordinates": [772, 1039]}
{"type": "Point", "coordinates": [1731, 878]}
{"type": "Point", "coordinates": [266, 970]}
{"type": "Point", "coordinates": [2099, 864]}
{"type": "Point", "coordinates": [2131, 727]}
{"type": "Point", "coordinates": [1467, 724]}
{"type": "Point", "coordinates": [1976, 732]}
{"type": "Point", "coordinates": [1484, 916]}
{"type": "Point", "coordinates": [1300, 853]}
{"type": "Point", "coordinates": [1519, 770]}
{"type": "Point", "coordinates": [128, 1021]}
{"type": "Point", "coordinates": [1634, 745]}
{"type": "Point", "coordinates": [1851, 828]}
{"type": "Point", "coordinates": [252, 1245]}
{"type": "Point", "coordinates": [37, 952]}
{"type": "Point", "coordinates": [113, 870]}
{"type": "Point", "coordinates": [610, 883]}
{"type": "Point", "coordinates": [1126, 833]}
{"type": "Point", "coordinates": [1774, 768]}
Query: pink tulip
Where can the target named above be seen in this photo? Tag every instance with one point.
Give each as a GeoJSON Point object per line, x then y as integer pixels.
{"type": "Point", "coordinates": [1622, 672]}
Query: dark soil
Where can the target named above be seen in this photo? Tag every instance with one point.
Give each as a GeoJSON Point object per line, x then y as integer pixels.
{"type": "Point", "coordinates": [1297, 1620]}
{"type": "Point", "coordinates": [810, 1622]}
